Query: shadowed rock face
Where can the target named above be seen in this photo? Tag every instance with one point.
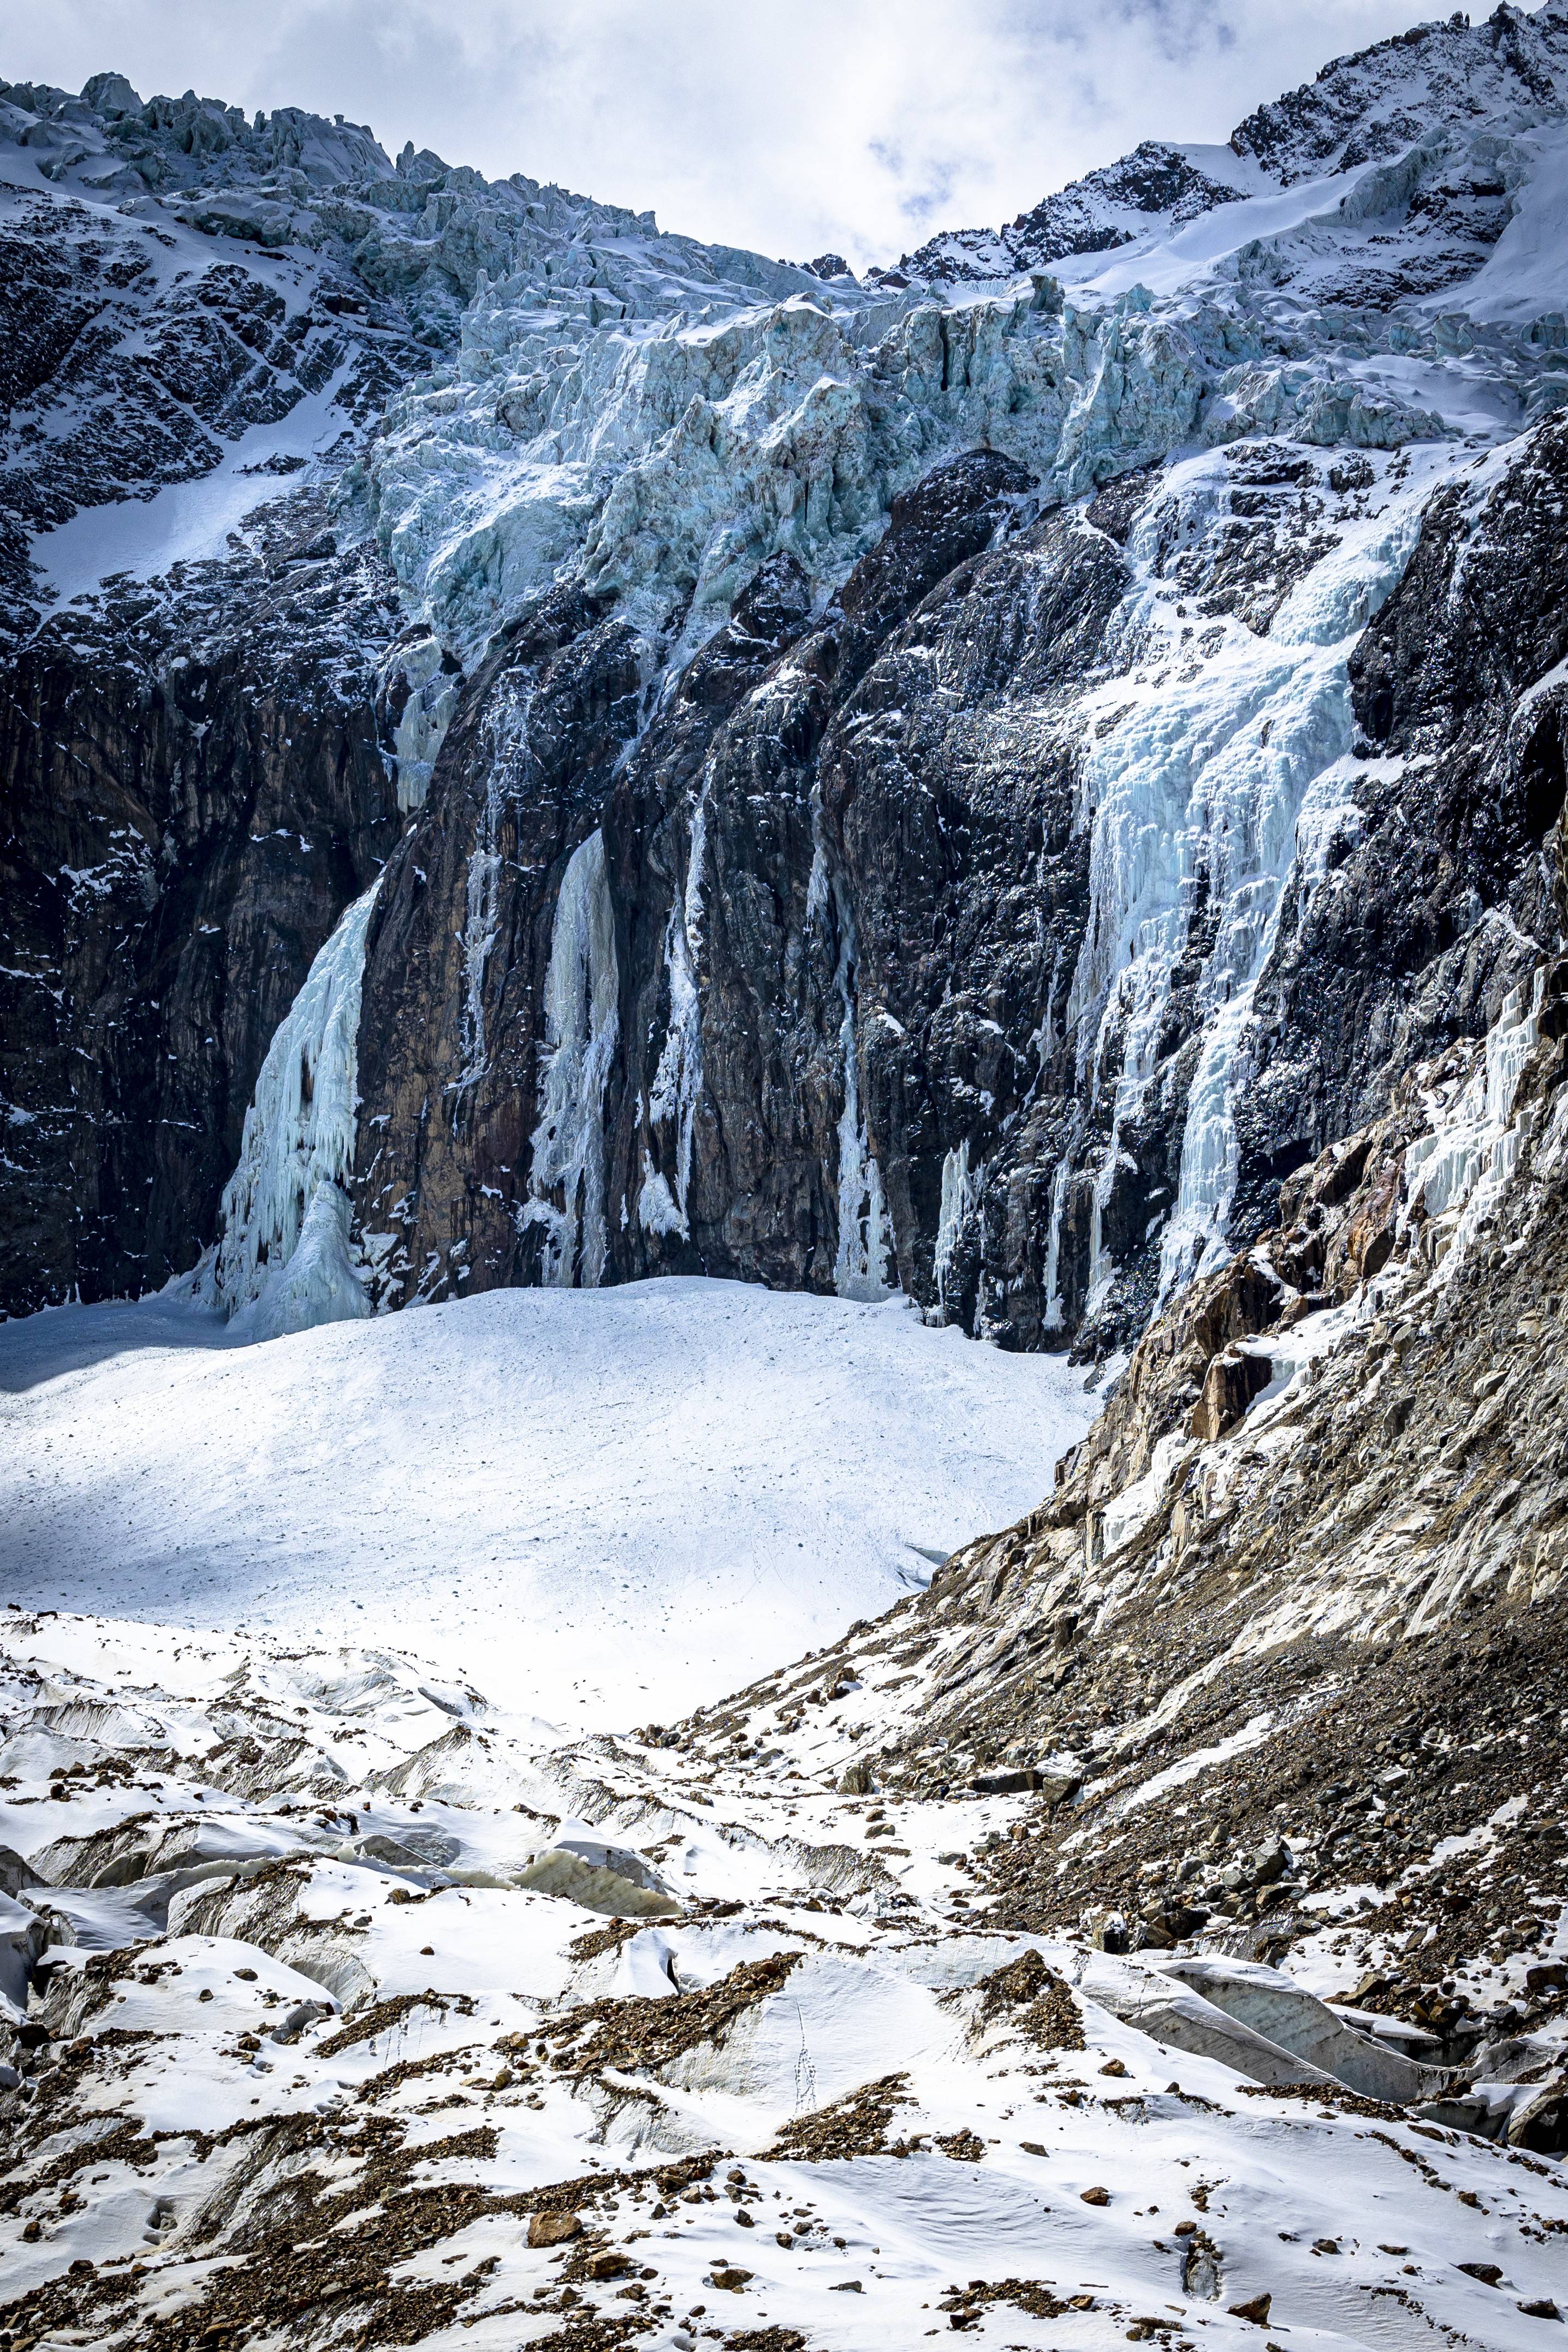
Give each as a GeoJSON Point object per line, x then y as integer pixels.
{"type": "Point", "coordinates": [847, 891]}
{"type": "Point", "coordinates": [452, 1011]}
{"type": "Point", "coordinates": [177, 838]}
{"type": "Point", "coordinates": [962, 800]}
{"type": "Point", "coordinates": [812, 860]}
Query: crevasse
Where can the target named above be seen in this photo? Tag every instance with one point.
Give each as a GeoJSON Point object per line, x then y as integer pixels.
{"type": "Point", "coordinates": [566, 1176]}
{"type": "Point", "coordinates": [282, 1259]}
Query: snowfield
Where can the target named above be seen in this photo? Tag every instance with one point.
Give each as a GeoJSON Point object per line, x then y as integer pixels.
{"type": "Point", "coordinates": [602, 1504]}
{"type": "Point", "coordinates": [306, 1905]}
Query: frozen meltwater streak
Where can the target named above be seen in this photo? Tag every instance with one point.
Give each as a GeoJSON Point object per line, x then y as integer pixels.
{"type": "Point", "coordinates": [282, 1260]}
{"type": "Point", "coordinates": [1198, 796]}
{"type": "Point", "coordinates": [960, 1192]}
{"type": "Point", "coordinates": [433, 690]}
{"type": "Point", "coordinates": [678, 1081]}
{"type": "Point", "coordinates": [566, 1178]}
{"type": "Point", "coordinates": [506, 736]}
{"type": "Point", "coordinates": [1054, 1317]}
{"type": "Point", "coordinates": [1462, 1169]}
{"type": "Point", "coordinates": [860, 1268]}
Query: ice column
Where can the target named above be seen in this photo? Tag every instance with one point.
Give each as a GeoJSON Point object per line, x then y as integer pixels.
{"type": "Point", "coordinates": [861, 1267]}
{"type": "Point", "coordinates": [282, 1260]}
{"type": "Point", "coordinates": [678, 1081]}
{"type": "Point", "coordinates": [1054, 1315]}
{"type": "Point", "coordinates": [960, 1191]}
{"type": "Point", "coordinates": [581, 986]}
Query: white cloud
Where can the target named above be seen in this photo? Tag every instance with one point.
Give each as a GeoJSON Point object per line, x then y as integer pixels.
{"type": "Point", "coordinates": [788, 125]}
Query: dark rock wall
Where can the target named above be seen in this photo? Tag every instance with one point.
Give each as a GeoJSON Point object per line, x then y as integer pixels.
{"type": "Point", "coordinates": [178, 835]}
{"type": "Point", "coordinates": [848, 867]}
{"type": "Point", "coordinates": [451, 1015]}
{"type": "Point", "coordinates": [852, 837]}
{"type": "Point", "coordinates": [847, 883]}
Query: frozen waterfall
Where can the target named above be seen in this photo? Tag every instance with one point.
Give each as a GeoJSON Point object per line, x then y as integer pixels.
{"type": "Point", "coordinates": [861, 1267]}
{"type": "Point", "coordinates": [1208, 794]}
{"type": "Point", "coordinates": [282, 1259]}
{"type": "Point", "coordinates": [566, 1180]}
{"type": "Point", "coordinates": [960, 1197]}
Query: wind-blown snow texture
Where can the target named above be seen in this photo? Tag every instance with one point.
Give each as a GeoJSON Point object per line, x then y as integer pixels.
{"type": "Point", "coordinates": [627, 1503]}
{"type": "Point", "coordinates": [390, 2016]}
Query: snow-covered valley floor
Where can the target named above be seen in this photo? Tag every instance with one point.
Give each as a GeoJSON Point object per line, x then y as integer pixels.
{"type": "Point", "coordinates": [347, 1998]}
{"type": "Point", "coordinates": [601, 1504]}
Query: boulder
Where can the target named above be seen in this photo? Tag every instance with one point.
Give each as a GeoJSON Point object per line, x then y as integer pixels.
{"type": "Point", "coordinates": [554, 2229]}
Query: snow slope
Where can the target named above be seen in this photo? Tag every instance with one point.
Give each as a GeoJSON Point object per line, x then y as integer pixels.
{"type": "Point", "coordinates": [606, 1505]}
{"type": "Point", "coordinates": [358, 1925]}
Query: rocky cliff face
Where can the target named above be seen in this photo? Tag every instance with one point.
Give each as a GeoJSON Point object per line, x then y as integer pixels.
{"type": "Point", "coordinates": [1041, 788]}
{"type": "Point", "coordinates": [1291, 1622]}
{"type": "Point", "coordinates": [215, 708]}
{"type": "Point", "coordinates": [875, 1013]}
{"type": "Point", "coordinates": [191, 788]}
{"type": "Point", "coordinates": [960, 795]}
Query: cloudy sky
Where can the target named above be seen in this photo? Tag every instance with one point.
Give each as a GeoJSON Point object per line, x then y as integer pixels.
{"type": "Point", "coordinates": [792, 126]}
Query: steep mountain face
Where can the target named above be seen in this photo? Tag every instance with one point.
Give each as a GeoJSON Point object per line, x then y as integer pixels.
{"type": "Point", "coordinates": [954, 786]}
{"type": "Point", "coordinates": [1452, 88]}
{"type": "Point", "coordinates": [215, 708]}
{"type": "Point", "coordinates": [1035, 784]}
{"type": "Point", "coordinates": [1277, 1669]}
{"type": "Point", "coordinates": [193, 786]}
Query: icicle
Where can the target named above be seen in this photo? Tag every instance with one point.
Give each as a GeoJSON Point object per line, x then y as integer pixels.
{"type": "Point", "coordinates": [1054, 1314]}
{"type": "Point", "coordinates": [1461, 1169]}
{"type": "Point", "coordinates": [566, 1180]}
{"type": "Point", "coordinates": [282, 1259]}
